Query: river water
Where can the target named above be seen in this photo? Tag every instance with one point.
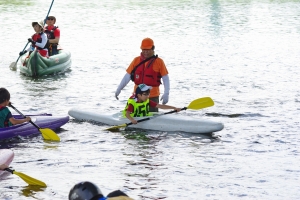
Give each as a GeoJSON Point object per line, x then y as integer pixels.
{"type": "Point", "coordinates": [245, 55]}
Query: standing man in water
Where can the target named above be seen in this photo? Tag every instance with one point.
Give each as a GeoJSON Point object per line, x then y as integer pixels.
{"type": "Point", "coordinates": [53, 34]}
{"type": "Point", "coordinates": [148, 69]}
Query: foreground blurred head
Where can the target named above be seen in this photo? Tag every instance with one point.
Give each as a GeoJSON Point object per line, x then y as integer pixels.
{"type": "Point", "coordinates": [84, 191]}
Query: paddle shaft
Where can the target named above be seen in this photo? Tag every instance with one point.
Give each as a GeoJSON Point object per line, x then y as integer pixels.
{"type": "Point", "coordinates": [48, 12]}
{"type": "Point", "coordinates": [25, 117]}
{"type": "Point", "coordinates": [9, 170]}
{"type": "Point", "coordinates": [145, 119]}
{"type": "Point", "coordinates": [22, 51]}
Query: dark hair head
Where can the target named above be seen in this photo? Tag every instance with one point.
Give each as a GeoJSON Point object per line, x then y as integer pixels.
{"type": "Point", "coordinates": [117, 193]}
{"type": "Point", "coordinates": [52, 17]}
{"type": "Point", "coordinates": [4, 95]}
{"type": "Point", "coordinates": [84, 190]}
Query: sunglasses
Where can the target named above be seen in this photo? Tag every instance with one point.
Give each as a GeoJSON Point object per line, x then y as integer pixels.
{"type": "Point", "coordinates": [50, 18]}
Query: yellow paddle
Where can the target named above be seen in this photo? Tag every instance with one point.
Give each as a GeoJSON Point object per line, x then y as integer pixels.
{"type": "Point", "coordinates": [197, 104]}
{"type": "Point", "coordinates": [47, 133]}
{"type": "Point", "coordinates": [26, 178]}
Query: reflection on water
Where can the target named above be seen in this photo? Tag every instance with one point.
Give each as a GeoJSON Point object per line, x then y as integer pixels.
{"type": "Point", "coordinates": [50, 145]}
{"type": "Point", "coordinates": [52, 77]}
{"type": "Point", "coordinates": [223, 115]}
{"type": "Point", "coordinates": [216, 17]}
{"type": "Point", "coordinates": [147, 158]}
{"type": "Point", "coordinates": [143, 163]}
{"type": "Point", "coordinates": [31, 190]}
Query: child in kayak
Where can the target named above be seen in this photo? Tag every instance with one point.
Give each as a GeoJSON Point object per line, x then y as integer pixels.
{"type": "Point", "coordinates": [139, 103]}
{"type": "Point", "coordinates": [6, 118]}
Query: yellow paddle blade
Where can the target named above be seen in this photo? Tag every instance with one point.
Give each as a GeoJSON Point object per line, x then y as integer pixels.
{"type": "Point", "coordinates": [116, 127]}
{"type": "Point", "coordinates": [30, 180]}
{"type": "Point", "coordinates": [203, 102]}
{"type": "Point", "coordinates": [48, 134]}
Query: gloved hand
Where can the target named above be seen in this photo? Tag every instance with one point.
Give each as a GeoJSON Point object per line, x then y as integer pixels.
{"type": "Point", "coordinates": [117, 93]}
{"type": "Point", "coordinates": [22, 53]}
{"type": "Point", "coordinates": [165, 98]}
{"type": "Point", "coordinates": [31, 40]}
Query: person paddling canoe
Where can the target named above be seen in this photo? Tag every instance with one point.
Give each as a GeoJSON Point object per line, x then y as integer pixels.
{"type": "Point", "coordinates": [38, 40]}
{"type": "Point", "coordinates": [139, 104]}
{"type": "Point", "coordinates": [53, 34]}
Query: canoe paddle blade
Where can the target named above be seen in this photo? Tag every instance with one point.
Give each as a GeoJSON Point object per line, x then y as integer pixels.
{"type": "Point", "coordinates": [13, 66]}
{"type": "Point", "coordinates": [27, 179]}
{"type": "Point", "coordinates": [116, 127]}
{"type": "Point", "coordinates": [30, 180]}
{"type": "Point", "coordinates": [48, 134]}
{"type": "Point", "coordinates": [200, 103]}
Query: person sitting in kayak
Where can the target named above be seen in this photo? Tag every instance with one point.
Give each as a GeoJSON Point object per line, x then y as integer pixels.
{"type": "Point", "coordinates": [89, 191]}
{"type": "Point", "coordinates": [139, 104]}
{"type": "Point", "coordinates": [6, 118]}
{"type": "Point", "coordinates": [38, 40]}
{"type": "Point", "coordinates": [53, 34]}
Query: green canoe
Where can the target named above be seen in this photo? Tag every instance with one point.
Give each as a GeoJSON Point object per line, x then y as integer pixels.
{"type": "Point", "coordinates": [36, 65]}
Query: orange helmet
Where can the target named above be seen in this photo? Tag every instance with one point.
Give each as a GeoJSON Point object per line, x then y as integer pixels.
{"type": "Point", "coordinates": [147, 43]}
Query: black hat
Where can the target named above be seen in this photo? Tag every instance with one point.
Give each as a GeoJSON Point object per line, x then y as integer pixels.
{"type": "Point", "coordinates": [84, 191]}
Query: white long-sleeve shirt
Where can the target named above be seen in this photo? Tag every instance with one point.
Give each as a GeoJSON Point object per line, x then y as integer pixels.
{"type": "Point", "coordinates": [40, 44]}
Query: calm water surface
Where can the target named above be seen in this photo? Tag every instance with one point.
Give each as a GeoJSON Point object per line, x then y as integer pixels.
{"type": "Point", "coordinates": [245, 55]}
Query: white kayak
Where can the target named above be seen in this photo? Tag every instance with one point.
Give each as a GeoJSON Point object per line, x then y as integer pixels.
{"type": "Point", "coordinates": [6, 157]}
{"type": "Point", "coordinates": [170, 122]}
